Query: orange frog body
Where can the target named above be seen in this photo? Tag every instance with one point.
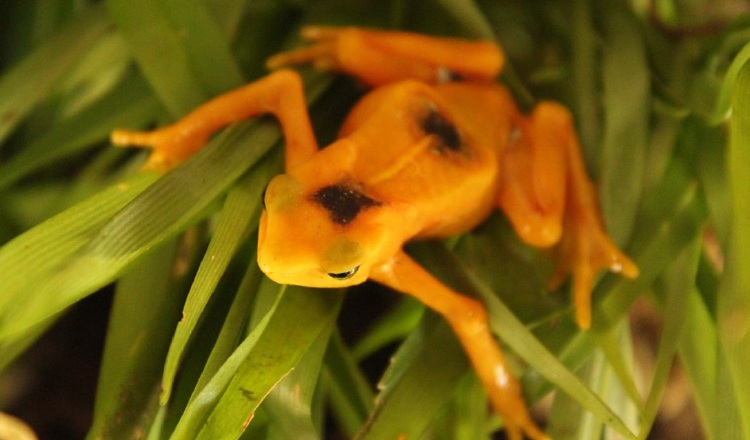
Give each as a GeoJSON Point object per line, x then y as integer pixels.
{"type": "Point", "coordinates": [432, 150]}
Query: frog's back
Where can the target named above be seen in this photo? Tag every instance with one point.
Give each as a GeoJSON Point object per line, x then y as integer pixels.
{"type": "Point", "coordinates": [432, 149]}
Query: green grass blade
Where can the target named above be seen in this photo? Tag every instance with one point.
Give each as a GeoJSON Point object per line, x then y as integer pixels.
{"type": "Point", "coordinates": [234, 326]}
{"type": "Point", "coordinates": [128, 105]}
{"type": "Point", "coordinates": [239, 214]}
{"type": "Point", "coordinates": [160, 52]}
{"type": "Point", "coordinates": [33, 257]}
{"type": "Point", "coordinates": [131, 368]}
{"type": "Point", "coordinates": [413, 390]}
{"type": "Point", "coordinates": [207, 49]}
{"type": "Point", "coordinates": [521, 341]}
{"type": "Point", "coordinates": [395, 325]}
{"type": "Point", "coordinates": [625, 79]}
{"type": "Point", "coordinates": [33, 79]}
{"type": "Point", "coordinates": [199, 409]}
{"type": "Point", "coordinates": [292, 406]}
{"type": "Point", "coordinates": [680, 280]}
{"type": "Point", "coordinates": [144, 223]}
{"type": "Point", "coordinates": [733, 320]}
{"type": "Point", "coordinates": [349, 393]}
{"type": "Point", "coordinates": [296, 323]}
{"type": "Point", "coordinates": [584, 71]}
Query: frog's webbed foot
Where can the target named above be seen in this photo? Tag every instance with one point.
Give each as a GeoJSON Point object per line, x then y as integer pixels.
{"type": "Point", "coordinates": [279, 93]}
{"type": "Point", "coordinates": [551, 201]}
{"type": "Point", "coordinates": [583, 251]}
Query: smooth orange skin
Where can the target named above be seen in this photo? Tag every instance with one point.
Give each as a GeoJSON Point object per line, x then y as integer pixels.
{"type": "Point", "coordinates": [529, 166]}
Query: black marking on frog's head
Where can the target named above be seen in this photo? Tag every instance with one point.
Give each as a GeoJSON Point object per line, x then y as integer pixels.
{"type": "Point", "coordinates": [446, 134]}
{"type": "Point", "coordinates": [343, 202]}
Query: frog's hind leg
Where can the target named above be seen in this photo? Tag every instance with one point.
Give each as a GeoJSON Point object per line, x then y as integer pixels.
{"type": "Point", "coordinates": [381, 57]}
{"type": "Point", "coordinates": [280, 93]}
{"type": "Point", "coordinates": [468, 319]}
{"type": "Point", "coordinates": [551, 201]}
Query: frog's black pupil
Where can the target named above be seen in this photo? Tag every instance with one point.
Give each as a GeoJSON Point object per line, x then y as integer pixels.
{"type": "Point", "coordinates": [344, 275]}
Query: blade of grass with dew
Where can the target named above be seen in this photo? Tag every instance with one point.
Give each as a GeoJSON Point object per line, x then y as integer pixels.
{"type": "Point", "coordinates": [347, 388]}
{"type": "Point", "coordinates": [238, 216]}
{"type": "Point", "coordinates": [144, 223]}
{"type": "Point", "coordinates": [733, 312]}
{"type": "Point", "coordinates": [413, 390]}
{"type": "Point", "coordinates": [296, 323]}
{"type": "Point", "coordinates": [33, 79]}
{"type": "Point", "coordinates": [134, 354]}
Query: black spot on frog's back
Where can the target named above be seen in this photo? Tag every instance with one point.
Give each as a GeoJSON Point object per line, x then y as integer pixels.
{"type": "Point", "coordinates": [343, 202]}
{"type": "Point", "coordinates": [445, 132]}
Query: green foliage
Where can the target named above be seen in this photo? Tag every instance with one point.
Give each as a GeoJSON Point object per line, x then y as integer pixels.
{"type": "Point", "coordinates": [653, 91]}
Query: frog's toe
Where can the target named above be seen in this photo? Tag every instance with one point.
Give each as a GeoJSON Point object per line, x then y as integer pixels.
{"type": "Point", "coordinates": [321, 55]}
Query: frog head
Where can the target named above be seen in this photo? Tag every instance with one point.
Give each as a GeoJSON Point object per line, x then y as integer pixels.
{"type": "Point", "coordinates": [320, 234]}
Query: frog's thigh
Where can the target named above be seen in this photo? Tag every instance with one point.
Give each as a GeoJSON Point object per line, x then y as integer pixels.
{"type": "Point", "coordinates": [534, 175]}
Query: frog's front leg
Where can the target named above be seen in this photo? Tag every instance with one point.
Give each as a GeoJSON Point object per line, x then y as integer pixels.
{"type": "Point", "coordinates": [280, 93]}
{"type": "Point", "coordinates": [468, 319]}
{"type": "Point", "coordinates": [550, 200]}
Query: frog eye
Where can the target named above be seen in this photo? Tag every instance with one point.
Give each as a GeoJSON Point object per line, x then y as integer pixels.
{"type": "Point", "coordinates": [344, 275]}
